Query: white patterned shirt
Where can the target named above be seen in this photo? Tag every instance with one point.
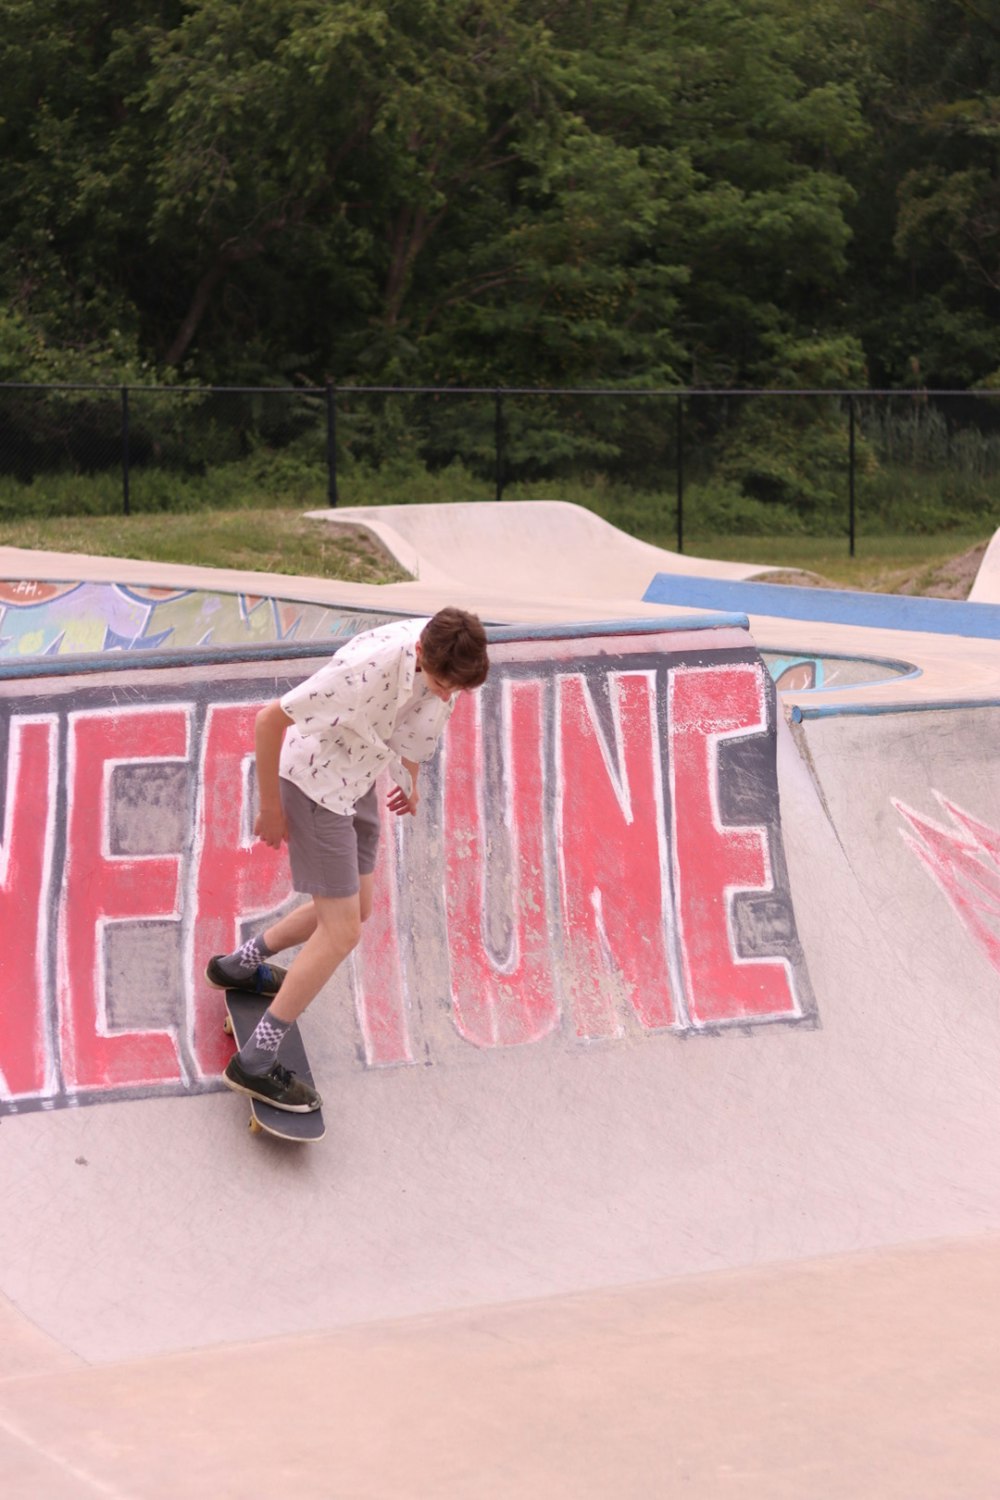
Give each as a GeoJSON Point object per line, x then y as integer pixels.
{"type": "Point", "coordinates": [364, 712]}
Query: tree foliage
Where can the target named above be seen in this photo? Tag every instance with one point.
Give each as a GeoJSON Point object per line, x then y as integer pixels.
{"type": "Point", "coordinates": [644, 192]}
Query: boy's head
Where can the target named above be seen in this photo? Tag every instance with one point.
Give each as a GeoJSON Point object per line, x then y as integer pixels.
{"type": "Point", "coordinates": [453, 649]}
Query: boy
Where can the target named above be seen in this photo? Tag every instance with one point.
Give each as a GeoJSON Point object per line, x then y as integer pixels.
{"type": "Point", "coordinates": [380, 703]}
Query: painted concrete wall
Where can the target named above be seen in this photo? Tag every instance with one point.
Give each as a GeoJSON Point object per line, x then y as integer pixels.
{"type": "Point", "coordinates": [47, 618]}
{"type": "Point", "coordinates": [40, 618]}
{"type": "Point", "coordinates": [598, 857]}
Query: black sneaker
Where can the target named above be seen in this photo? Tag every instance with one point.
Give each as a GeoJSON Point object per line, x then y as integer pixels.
{"type": "Point", "coordinates": [279, 1087]}
{"type": "Point", "coordinates": [264, 980]}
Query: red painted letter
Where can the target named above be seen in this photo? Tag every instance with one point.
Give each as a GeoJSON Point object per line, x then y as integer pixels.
{"type": "Point", "coordinates": [611, 856]}
{"type": "Point", "coordinates": [101, 887]}
{"type": "Point", "coordinates": [712, 861]}
{"type": "Point", "coordinates": [25, 869]}
{"type": "Point", "coordinates": [501, 964]}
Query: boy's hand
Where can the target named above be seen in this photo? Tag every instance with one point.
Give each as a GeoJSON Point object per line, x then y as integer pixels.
{"type": "Point", "coordinates": [400, 803]}
{"type": "Point", "coordinates": [270, 827]}
{"type": "Point", "coordinates": [269, 734]}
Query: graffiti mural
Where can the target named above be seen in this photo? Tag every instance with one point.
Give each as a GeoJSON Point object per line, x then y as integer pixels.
{"type": "Point", "coordinates": [963, 860]}
{"type": "Point", "coordinates": [59, 619]}
{"type": "Point", "coordinates": [598, 855]}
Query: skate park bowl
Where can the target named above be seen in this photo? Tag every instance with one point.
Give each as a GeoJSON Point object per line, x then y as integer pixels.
{"type": "Point", "coordinates": [661, 1094]}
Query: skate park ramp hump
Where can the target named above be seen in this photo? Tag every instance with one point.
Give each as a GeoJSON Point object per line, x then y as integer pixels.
{"type": "Point", "coordinates": [668, 1058]}
{"type": "Point", "coordinates": [523, 547]}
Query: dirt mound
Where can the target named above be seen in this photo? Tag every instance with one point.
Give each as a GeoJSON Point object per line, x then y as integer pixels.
{"type": "Point", "coordinates": [951, 579]}
{"type": "Point", "coordinates": [797, 577]}
{"type": "Point", "coordinates": [948, 580]}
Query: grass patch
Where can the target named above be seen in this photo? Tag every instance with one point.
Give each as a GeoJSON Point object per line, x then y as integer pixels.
{"type": "Point", "coordinates": [261, 541]}
{"type": "Point", "coordinates": [912, 563]}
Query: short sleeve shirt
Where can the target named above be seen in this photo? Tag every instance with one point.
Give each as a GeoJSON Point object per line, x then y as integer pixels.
{"type": "Point", "coordinates": [362, 713]}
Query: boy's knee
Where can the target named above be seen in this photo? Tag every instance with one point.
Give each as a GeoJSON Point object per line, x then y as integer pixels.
{"type": "Point", "coordinates": [343, 931]}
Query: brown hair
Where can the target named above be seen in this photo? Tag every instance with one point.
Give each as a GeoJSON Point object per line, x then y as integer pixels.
{"type": "Point", "coordinates": [453, 648]}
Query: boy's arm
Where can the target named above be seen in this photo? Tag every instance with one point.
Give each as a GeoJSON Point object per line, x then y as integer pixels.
{"type": "Point", "coordinates": [399, 802]}
{"type": "Point", "coordinates": [271, 724]}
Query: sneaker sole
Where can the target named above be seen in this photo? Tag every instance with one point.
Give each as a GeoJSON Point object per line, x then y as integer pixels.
{"type": "Point", "coordinates": [288, 1109]}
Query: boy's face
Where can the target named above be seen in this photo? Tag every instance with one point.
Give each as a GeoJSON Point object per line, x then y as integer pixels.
{"type": "Point", "coordinates": [442, 690]}
{"type": "Point", "coordinates": [435, 685]}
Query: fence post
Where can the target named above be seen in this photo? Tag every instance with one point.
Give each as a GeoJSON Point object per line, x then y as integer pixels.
{"type": "Point", "coordinates": [331, 444]}
{"type": "Point", "coordinates": [850, 473]}
{"type": "Point", "coordinates": [126, 500]}
{"type": "Point", "coordinates": [680, 473]}
{"type": "Point", "coordinates": [498, 440]}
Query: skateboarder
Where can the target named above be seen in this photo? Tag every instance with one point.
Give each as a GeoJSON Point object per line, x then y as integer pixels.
{"type": "Point", "coordinates": [381, 703]}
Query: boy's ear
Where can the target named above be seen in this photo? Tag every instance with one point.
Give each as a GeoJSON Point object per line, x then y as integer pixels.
{"type": "Point", "coordinates": [420, 650]}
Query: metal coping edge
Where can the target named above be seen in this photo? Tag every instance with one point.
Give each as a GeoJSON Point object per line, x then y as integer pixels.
{"type": "Point", "coordinates": [647, 625]}
{"type": "Point", "coordinates": [903, 668]}
{"type": "Point", "coordinates": [870, 710]}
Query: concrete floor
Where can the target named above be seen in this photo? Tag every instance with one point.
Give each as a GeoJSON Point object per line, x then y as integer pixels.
{"type": "Point", "coordinates": [865, 1377]}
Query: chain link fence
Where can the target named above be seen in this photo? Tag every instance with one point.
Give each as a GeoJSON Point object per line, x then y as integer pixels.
{"type": "Point", "coordinates": [669, 464]}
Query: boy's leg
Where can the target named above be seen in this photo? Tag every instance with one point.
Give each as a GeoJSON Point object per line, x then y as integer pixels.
{"type": "Point", "coordinates": [336, 934]}
{"type": "Point", "coordinates": [337, 929]}
{"type": "Point", "coordinates": [365, 895]}
{"type": "Point", "coordinates": [247, 968]}
{"type": "Point", "coordinates": [359, 837]}
{"type": "Point", "coordinates": [254, 1067]}
{"type": "Point", "coordinates": [335, 937]}
{"type": "Point", "coordinates": [328, 927]}
{"type": "Point", "coordinates": [296, 927]}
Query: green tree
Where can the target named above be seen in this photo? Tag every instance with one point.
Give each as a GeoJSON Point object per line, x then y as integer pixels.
{"type": "Point", "coordinates": [326, 144]}
{"type": "Point", "coordinates": [70, 194]}
{"type": "Point", "coordinates": [926, 256]}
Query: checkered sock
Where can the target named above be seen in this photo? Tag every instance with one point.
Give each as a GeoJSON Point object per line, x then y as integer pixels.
{"type": "Point", "coordinates": [261, 1051]}
{"type": "Point", "coordinates": [245, 958]}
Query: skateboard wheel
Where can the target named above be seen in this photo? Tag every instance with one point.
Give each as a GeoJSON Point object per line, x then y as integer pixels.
{"type": "Point", "coordinates": [227, 1026]}
{"type": "Point", "coordinates": [256, 1128]}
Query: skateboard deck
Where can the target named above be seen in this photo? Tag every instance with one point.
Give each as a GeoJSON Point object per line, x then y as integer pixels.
{"type": "Point", "coordinates": [243, 1011]}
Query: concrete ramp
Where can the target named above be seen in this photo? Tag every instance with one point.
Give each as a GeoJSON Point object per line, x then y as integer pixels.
{"type": "Point", "coordinates": [986, 584]}
{"type": "Point", "coordinates": [655, 985]}
{"type": "Point", "coordinates": [525, 547]}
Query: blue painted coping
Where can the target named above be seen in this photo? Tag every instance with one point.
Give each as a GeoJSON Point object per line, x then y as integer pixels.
{"type": "Point", "coordinates": [832, 606]}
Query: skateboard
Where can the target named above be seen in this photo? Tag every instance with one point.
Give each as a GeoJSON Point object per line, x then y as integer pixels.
{"type": "Point", "coordinates": [243, 1011]}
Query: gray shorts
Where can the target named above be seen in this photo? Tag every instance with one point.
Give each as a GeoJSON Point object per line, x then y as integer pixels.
{"type": "Point", "coordinates": [329, 851]}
